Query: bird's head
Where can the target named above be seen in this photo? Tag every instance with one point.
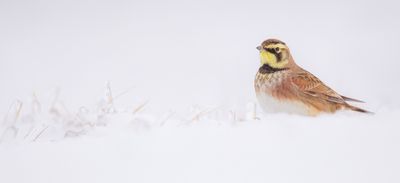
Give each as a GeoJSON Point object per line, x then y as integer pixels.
{"type": "Point", "coordinates": [274, 53]}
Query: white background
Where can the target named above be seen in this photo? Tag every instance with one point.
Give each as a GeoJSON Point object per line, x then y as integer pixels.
{"type": "Point", "coordinates": [177, 53]}
{"type": "Point", "coordinates": [180, 54]}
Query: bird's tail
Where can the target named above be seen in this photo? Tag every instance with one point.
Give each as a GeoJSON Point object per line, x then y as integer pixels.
{"type": "Point", "coordinates": [357, 109]}
{"type": "Point", "coordinates": [351, 99]}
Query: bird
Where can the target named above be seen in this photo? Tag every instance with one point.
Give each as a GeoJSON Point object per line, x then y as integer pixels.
{"type": "Point", "coordinates": [283, 86]}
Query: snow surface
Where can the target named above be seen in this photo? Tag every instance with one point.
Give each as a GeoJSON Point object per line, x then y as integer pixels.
{"type": "Point", "coordinates": [161, 91]}
{"type": "Point", "coordinates": [278, 148]}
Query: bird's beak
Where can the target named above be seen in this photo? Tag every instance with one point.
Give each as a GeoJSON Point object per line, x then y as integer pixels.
{"type": "Point", "coordinates": [258, 48]}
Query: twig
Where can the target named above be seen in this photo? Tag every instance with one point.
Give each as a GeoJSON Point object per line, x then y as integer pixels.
{"type": "Point", "coordinates": [203, 112]}
{"type": "Point", "coordinates": [40, 133]}
{"type": "Point", "coordinates": [36, 106]}
{"type": "Point", "coordinates": [109, 100]}
{"type": "Point", "coordinates": [12, 127]}
{"type": "Point", "coordinates": [8, 112]}
{"type": "Point", "coordinates": [109, 93]}
{"type": "Point", "coordinates": [29, 132]}
{"type": "Point", "coordinates": [140, 107]}
{"type": "Point", "coordinates": [167, 118]}
{"type": "Point", "coordinates": [17, 114]}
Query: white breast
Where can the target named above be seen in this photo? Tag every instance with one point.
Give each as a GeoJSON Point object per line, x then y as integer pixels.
{"type": "Point", "coordinates": [270, 104]}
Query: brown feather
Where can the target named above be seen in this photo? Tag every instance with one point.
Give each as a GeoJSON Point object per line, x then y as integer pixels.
{"type": "Point", "coordinates": [351, 99]}
{"type": "Point", "coordinates": [358, 109]}
{"type": "Point", "coordinates": [317, 94]}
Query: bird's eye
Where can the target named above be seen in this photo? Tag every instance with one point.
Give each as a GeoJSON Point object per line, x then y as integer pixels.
{"type": "Point", "coordinates": [277, 49]}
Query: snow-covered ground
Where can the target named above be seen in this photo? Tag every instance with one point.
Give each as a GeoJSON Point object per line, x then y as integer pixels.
{"type": "Point", "coordinates": [277, 148]}
{"type": "Point", "coordinates": [157, 91]}
{"type": "Point", "coordinates": [202, 145]}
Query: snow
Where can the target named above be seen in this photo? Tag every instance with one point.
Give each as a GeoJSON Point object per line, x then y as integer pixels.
{"type": "Point", "coordinates": [202, 145]}
{"type": "Point", "coordinates": [278, 148]}
{"type": "Point", "coordinates": [147, 91]}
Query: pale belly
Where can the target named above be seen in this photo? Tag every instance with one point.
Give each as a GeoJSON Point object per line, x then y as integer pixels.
{"type": "Point", "coordinates": [270, 104]}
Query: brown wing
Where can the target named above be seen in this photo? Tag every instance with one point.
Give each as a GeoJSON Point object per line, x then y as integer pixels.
{"type": "Point", "coordinates": [306, 83]}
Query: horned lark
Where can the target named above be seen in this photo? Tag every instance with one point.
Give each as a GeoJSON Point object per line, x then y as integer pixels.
{"type": "Point", "coordinates": [282, 86]}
